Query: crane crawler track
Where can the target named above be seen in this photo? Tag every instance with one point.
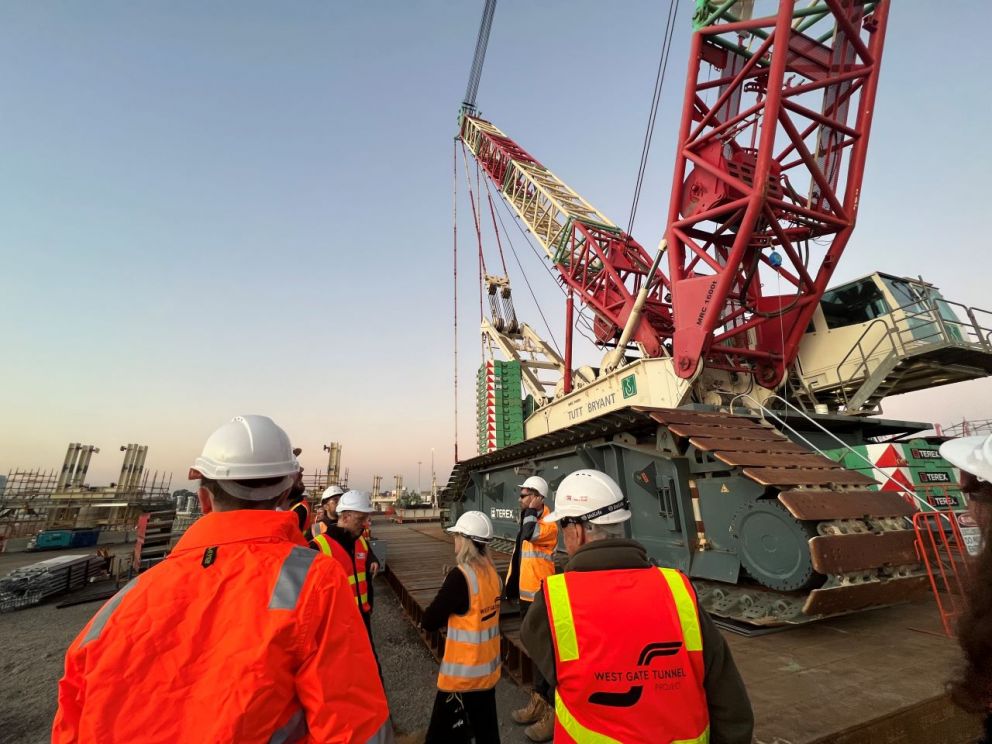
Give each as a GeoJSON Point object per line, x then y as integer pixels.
{"type": "Point", "coordinates": [852, 548]}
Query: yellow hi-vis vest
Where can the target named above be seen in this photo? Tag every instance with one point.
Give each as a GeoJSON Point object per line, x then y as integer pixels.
{"type": "Point", "coordinates": [471, 650]}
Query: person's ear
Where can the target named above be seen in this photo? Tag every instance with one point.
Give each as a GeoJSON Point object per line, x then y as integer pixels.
{"type": "Point", "coordinates": [283, 503]}
{"type": "Point", "coordinates": [206, 499]}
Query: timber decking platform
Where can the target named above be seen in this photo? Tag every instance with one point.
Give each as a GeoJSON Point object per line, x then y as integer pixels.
{"type": "Point", "coordinates": [870, 678]}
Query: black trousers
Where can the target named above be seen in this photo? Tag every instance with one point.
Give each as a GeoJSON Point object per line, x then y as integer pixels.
{"type": "Point", "coordinates": [541, 686]}
{"type": "Point", "coordinates": [480, 709]}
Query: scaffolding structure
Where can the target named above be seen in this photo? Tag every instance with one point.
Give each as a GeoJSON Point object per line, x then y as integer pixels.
{"type": "Point", "coordinates": [24, 501]}
{"type": "Point", "coordinates": [965, 428]}
{"type": "Point", "coordinates": [36, 500]}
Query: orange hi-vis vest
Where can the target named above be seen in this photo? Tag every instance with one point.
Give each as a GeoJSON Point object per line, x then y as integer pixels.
{"type": "Point", "coordinates": [471, 650]}
{"type": "Point", "coordinates": [537, 561]}
{"type": "Point", "coordinates": [354, 569]}
{"type": "Point", "coordinates": [628, 657]}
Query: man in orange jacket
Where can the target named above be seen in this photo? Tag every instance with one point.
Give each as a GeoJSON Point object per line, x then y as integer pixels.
{"type": "Point", "coordinates": [242, 634]}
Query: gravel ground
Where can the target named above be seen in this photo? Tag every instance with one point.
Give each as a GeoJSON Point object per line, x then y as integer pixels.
{"type": "Point", "coordinates": [33, 642]}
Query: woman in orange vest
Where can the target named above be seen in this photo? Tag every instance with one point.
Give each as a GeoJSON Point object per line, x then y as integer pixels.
{"type": "Point", "coordinates": [468, 603]}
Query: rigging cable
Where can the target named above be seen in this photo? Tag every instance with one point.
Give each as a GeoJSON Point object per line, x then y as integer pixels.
{"type": "Point", "coordinates": [659, 84]}
{"type": "Point", "coordinates": [478, 230]}
{"type": "Point", "coordinates": [454, 231]}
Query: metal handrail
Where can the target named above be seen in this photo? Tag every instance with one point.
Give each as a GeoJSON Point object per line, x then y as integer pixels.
{"type": "Point", "coordinates": [896, 331]}
{"type": "Point", "coordinates": [782, 422]}
{"type": "Point", "coordinates": [857, 345]}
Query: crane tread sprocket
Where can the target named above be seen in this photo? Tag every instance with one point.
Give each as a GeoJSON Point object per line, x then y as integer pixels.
{"type": "Point", "coordinates": [792, 536]}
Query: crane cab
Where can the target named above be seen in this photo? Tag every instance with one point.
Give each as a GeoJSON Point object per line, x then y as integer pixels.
{"type": "Point", "coordinates": [884, 335]}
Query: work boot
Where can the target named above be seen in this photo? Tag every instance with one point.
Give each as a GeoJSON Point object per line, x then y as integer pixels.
{"type": "Point", "coordinates": [544, 729]}
{"type": "Point", "coordinates": [530, 712]}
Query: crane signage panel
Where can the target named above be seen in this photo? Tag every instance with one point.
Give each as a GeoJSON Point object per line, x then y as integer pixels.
{"type": "Point", "coordinates": [629, 386]}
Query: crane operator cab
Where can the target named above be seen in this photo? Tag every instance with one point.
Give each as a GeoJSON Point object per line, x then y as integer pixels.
{"type": "Point", "coordinates": [884, 335]}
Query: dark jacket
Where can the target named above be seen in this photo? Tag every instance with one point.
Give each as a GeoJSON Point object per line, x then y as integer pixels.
{"type": "Point", "coordinates": [452, 599]}
{"type": "Point", "coordinates": [731, 718]}
{"type": "Point", "coordinates": [347, 541]}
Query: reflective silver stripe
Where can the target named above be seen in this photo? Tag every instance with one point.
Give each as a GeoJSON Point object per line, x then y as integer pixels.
{"type": "Point", "coordinates": [473, 581]}
{"type": "Point", "coordinates": [384, 735]}
{"type": "Point", "coordinates": [473, 636]}
{"type": "Point", "coordinates": [295, 729]}
{"type": "Point", "coordinates": [538, 555]}
{"type": "Point", "coordinates": [291, 577]}
{"type": "Point", "coordinates": [531, 518]}
{"type": "Point", "coordinates": [529, 596]}
{"type": "Point", "coordinates": [466, 670]}
{"type": "Point", "coordinates": [101, 618]}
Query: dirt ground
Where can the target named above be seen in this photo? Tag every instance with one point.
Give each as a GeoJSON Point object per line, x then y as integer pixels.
{"type": "Point", "coordinates": [33, 642]}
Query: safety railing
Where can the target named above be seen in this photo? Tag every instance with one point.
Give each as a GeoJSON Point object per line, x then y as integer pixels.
{"type": "Point", "coordinates": [912, 328]}
{"type": "Point", "coordinates": [942, 551]}
{"type": "Point", "coordinates": [766, 412]}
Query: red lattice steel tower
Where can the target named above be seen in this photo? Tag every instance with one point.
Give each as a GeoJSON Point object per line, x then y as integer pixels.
{"type": "Point", "coordinates": [768, 175]}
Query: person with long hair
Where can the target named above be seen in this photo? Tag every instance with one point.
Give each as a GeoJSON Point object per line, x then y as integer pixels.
{"type": "Point", "coordinates": [972, 688]}
{"type": "Point", "coordinates": [468, 604]}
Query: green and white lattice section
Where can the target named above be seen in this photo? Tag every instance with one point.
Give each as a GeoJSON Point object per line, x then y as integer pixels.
{"type": "Point", "coordinates": [499, 411]}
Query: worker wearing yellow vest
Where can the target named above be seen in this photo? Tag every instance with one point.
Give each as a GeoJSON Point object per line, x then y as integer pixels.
{"type": "Point", "coordinates": [632, 657]}
{"type": "Point", "coordinates": [344, 542]}
{"type": "Point", "coordinates": [532, 562]}
{"type": "Point", "coordinates": [468, 603]}
{"type": "Point", "coordinates": [327, 514]}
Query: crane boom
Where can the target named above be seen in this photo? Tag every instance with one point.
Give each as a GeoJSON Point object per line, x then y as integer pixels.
{"type": "Point", "coordinates": [768, 163]}
{"type": "Point", "coordinates": [597, 259]}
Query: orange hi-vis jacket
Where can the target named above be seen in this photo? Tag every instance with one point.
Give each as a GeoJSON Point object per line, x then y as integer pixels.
{"type": "Point", "coordinates": [537, 556]}
{"type": "Point", "coordinates": [628, 657]}
{"type": "Point", "coordinates": [471, 649]}
{"type": "Point", "coordinates": [356, 569]}
{"type": "Point", "coordinates": [243, 634]}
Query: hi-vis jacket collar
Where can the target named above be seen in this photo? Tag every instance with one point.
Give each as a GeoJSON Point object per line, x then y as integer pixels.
{"type": "Point", "coordinates": [241, 525]}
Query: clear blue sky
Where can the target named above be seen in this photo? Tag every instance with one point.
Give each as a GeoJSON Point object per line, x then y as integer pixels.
{"type": "Point", "coordinates": [241, 207]}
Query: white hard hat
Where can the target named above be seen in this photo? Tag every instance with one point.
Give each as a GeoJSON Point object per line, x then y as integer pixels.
{"type": "Point", "coordinates": [473, 524]}
{"type": "Point", "coordinates": [330, 493]}
{"type": "Point", "coordinates": [355, 501]}
{"type": "Point", "coordinates": [248, 448]}
{"type": "Point", "coordinates": [972, 454]}
{"type": "Point", "coordinates": [536, 483]}
{"type": "Point", "coordinates": [591, 496]}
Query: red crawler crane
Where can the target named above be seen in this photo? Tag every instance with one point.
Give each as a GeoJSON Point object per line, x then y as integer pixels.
{"type": "Point", "coordinates": [770, 160]}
